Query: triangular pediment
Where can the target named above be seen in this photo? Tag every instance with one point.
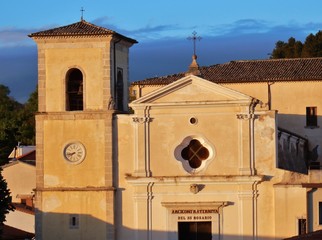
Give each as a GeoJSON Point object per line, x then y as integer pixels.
{"type": "Point", "coordinates": [193, 89]}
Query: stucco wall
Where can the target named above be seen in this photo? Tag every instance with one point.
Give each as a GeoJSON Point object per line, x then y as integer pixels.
{"type": "Point", "coordinates": [21, 179]}
{"type": "Point", "coordinates": [153, 135]}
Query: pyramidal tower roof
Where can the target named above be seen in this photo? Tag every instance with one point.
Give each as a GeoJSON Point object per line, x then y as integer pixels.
{"type": "Point", "coordinates": [81, 28]}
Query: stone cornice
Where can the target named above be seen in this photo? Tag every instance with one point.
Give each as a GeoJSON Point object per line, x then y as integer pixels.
{"type": "Point", "coordinates": [75, 115]}
{"type": "Point", "coordinates": [74, 189]}
{"type": "Point", "coordinates": [170, 180]}
{"type": "Point", "coordinates": [178, 205]}
{"type": "Point", "coordinates": [196, 104]}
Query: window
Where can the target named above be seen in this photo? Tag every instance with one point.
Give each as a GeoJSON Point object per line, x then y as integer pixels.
{"type": "Point", "coordinates": [195, 153]}
{"type": "Point", "coordinates": [320, 213]}
{"type": "Point", "coordinates": [74, 221]}
{"type": "Point", "coordinates": [194, 231]}
{"type": "Point", "coordinates": [119, 89]}
{"type": "Point", "coordinates": [302, 226]}
{"type": "Point", "coordinates": [193, 120]}
{"type": "Point", "coordinates": [311, 117]}
{"type": "Point", "coordinates": [74, 90]}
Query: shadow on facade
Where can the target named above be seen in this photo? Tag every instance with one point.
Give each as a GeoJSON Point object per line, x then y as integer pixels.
{"type": "Point", "coordinates": [299, 147]}
{"type": "Point", "coordinates": [83, 227]}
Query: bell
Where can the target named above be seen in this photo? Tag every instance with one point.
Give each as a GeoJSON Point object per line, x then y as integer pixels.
{"type": "Point", "coordinates": [80, 89]}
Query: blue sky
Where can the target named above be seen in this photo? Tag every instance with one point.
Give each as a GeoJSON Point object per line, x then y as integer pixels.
{"type": "Point", "coordinates": [230, 30]}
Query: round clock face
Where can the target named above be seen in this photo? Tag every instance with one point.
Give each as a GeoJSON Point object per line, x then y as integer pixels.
{"type": "Point", "coordinates": [74, 152]}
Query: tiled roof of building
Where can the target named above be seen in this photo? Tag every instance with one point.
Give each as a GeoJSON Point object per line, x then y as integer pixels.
{"type": "Point", "coordinates": [81, 28]}
{"type": "Point", "coordinates": [272, 70]}
{"type": "Point", "coordinates": [317, 235]}
{"type": "Point", "coordinates": [23, 208]}
{"type": "Point", "coordinates": [29, 158]}
{"type": "Point", "coordinates": [15, 233]}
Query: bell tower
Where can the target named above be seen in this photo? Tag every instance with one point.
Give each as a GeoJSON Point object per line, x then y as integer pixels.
{"type": "Point", "coordinates": [82, 83]}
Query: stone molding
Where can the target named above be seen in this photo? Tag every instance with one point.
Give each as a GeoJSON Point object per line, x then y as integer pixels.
{"type": "Point", "coordinates": [231, 179]}
{"type": "Point", "coordinates": [75, 189]}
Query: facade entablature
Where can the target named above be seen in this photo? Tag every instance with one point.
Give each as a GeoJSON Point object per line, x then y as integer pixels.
{"type": "Point", "coordinates": [237, 179]}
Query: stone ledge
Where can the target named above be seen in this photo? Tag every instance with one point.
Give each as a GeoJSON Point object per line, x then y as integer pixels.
{"type": "Point", "coordinates": [74, 189]}
{"type": "Point", "coordinates": [231, 179]}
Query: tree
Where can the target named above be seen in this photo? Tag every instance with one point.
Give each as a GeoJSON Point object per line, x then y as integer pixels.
{"type": "Point", "coordinates": [312, 47]}
{"type": "Point", "coordinates": [291, 49]}
{"type": "Point", "coordinates": [26, 119]}
{"type": "Point", "coordinates": [17, 122]}
{"type": "Point", "coordinates": [5, 201]}
{"type": "Point", "coordinates": [8, 122]}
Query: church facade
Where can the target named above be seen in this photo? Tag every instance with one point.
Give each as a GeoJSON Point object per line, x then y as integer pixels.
{"type": "Point", "coordinates": [228, 151]}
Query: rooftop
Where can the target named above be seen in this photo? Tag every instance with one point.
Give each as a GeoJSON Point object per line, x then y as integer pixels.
{"type": "Point", "coordinates": [14, 233]}
{"type": "Point", "coordinates": [317, 235]}
{"type": "Point", "coordinates": [270, 70]}
{"type": "Point", "coordinates": [81, 28]}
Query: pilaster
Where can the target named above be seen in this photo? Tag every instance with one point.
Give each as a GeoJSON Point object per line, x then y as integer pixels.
{"type": "Point", "coordinates": [142, 146]}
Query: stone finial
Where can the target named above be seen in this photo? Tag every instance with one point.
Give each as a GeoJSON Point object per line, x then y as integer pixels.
{"type": "Point", "coordinates": [194, 67]}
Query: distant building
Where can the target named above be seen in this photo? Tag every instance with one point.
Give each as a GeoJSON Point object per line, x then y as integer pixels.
{"type": "Point", "coordinates": [21, 150]}
{"type": "Point", "coordinates": [230, 151]}
{"type": "Point", "coordinates": [20, 175]}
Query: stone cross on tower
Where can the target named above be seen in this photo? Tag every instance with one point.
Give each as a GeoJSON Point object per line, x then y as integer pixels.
{"type": "Point", "coordinates": [194, 67]}
{"type": "Point", "coordinates": [82, 13]}
{"type": "Point", "coordinates": [194, 38]}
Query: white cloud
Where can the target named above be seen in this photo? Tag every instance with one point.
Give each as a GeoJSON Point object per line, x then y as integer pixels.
{"type": "Point", "coordinates": [12, 37]}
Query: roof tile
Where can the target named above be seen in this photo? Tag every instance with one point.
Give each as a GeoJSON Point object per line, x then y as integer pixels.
{"type": "Point", "coordinates": [273, 70]}
{"type": "Point", "coordinates": [81, 28]}
{"type": "Point", "coordinates": [317, 235]}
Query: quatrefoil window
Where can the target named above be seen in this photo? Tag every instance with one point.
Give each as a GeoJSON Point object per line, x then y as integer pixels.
{"type": "Point", "coordinates": [195, 153]}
